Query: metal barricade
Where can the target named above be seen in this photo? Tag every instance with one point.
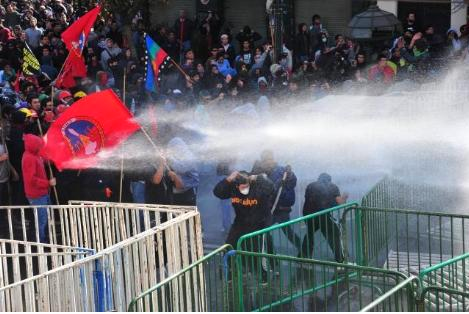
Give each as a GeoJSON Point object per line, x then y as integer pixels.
{"type": "Point", "coordinates": [331, 234]}
{"type": "Point", "coordinates": [20, 260]}
{"type": "Point", "coordinates": [92, 225]}
{"type": "Point", "coordinates": [109, 279]}
{"type": "Point", "coordinates": [294, 284]}
{"type": "Point", "coordinates": [391, 301]}
{"type": "Point", "coordinates": [411, 240]}
{"type": "Point", "coordinates": [235, 281]}
{"type": "Point", "coordinates": [445, 287]}
{"type": "Point", "coordinates": [202, 287]}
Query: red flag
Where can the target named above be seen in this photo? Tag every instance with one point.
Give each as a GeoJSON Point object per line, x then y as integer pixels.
{"type": "Point", "coordinates": [76, 35]}
{"type": "Point", "coordinates": [92, 125]}
{"type": "Point", "coordinates": [74, 67]}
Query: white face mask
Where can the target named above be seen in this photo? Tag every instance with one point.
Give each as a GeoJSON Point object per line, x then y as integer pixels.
{"type": "Point", "coordinates": [244, 191]}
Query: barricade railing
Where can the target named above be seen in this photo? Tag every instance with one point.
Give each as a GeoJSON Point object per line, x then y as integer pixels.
{"type": "Point", "coordinates": [204, 286]}
{"type": "Point", "coordinates": [331, 234]}
{"type": "Point", "coordinates": [404, 240]}
{"type": "Point", "coordinates": [392, 300]}
{"type": "Point", "coordinates": [411, 240]}
{"type": "Point", "coordinates": [294, 284]}
{"type": "Point", "coordinates": [393, 193]}
{"type": "Point", "coordinates": [90, 225]}
{"type": "Point", "coordinates": [20, 260]}
{"type": "Point", "coordinates": [235, 281]}
{"type": "Point", "coordinates": [445, 286]}
{"type": "Point", "coordinates": [110, 279]}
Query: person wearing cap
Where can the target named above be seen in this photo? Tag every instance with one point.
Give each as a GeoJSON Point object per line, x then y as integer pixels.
{"type": "Point", "coordinates": [321, 195]}
{"type": "Point", "coordinates": [79, 95]}
{"type": "Point", "coordinates": [227, 48]}
{"type": "Point", "coordinates": [64, 97]}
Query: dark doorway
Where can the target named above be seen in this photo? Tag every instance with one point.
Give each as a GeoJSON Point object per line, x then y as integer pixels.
{"type": "Point", "coordinates": [436, 14]}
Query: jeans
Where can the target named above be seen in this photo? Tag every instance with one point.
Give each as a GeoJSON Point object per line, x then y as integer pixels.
{"type": "Point", "coordinates": [41, 215]}
{"type": "Point", "coordinates": [137, 188]}
{"type": "Point", "coordinates": [226, 210]}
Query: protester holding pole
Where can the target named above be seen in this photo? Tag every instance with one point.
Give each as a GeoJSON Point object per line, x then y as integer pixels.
{"type": "Point", "coordinates": [36, 183]}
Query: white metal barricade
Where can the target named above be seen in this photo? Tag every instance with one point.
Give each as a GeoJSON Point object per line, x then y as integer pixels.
{"type": "Point", "coordinates": [109, 279]}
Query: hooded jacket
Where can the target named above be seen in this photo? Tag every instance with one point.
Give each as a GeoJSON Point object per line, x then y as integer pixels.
{"type": "Point", "coordinates": [36, 183]}
{"type": "Point", "coordinates": [252, 209]}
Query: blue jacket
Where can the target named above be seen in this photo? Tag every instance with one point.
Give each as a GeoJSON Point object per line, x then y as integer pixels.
{"type": "Point", "coordinates": [225, 68]}
{"type": "Point", "coordinates": [288, 196]}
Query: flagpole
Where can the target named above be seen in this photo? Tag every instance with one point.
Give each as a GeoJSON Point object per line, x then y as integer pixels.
{"type": "Point", "coordinates": [121, 182]}
{"type": "Point", "coordinates": [62, 68]}
{"type": "Point", "coordinates": [181, 70]}
{"type": "Point", "coordinates": [54, 188]}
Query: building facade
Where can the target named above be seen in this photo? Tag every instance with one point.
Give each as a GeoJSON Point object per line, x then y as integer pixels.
{"type": "Point", "coordinates": [335, 14]}
{"type": "Point", "coordinates": [442, 14]}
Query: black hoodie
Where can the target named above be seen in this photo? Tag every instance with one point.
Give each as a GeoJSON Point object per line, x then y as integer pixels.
{"type": "Point", "coordinates": [252, 209]}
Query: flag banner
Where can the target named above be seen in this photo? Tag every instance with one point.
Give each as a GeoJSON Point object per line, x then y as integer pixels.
{"type": "Point", "coordinates": [75, 35]}
{"type": "Point", "coordinates": [157, 61]}
{"type": "Point", "coordinates": [74, 67]}
{"type": "Point", "coordinates": [88, 131]}
{"type": "Point", "coordinates": [31, 65]}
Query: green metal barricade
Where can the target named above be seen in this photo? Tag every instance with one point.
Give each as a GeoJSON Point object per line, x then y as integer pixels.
{"type": "Point", "coordinates": [331, 234]}
{"type": "Point", "coordinates": [410, 240]}
{"type": "Point", "coordinates": [393, 193]}
{"type": "Point", "coordinates": [235, 281]}
{"type": "Point", "coordinates": [202, 287]}
{"type": "Point", "coordinates": [404, 240]}
{"type": "Point", "coordinates": [445, 287]}
{"type": "Point", "coordinates": [294, 284]}
{"type": "Point", "coordinates": [392, 300]}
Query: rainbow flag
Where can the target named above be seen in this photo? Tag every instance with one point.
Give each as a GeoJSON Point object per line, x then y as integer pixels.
{"type": "Point", "coordinates": [157, 60]}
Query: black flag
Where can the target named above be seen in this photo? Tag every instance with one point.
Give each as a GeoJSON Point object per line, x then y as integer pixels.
{"type": "Point", "coordinates": [31, 65]}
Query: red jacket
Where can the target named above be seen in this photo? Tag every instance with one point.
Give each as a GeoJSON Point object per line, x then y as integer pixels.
{"type": "Point", "coordinates": [35, 179]}
{"type": "Point", "coordinates": [384, 75]}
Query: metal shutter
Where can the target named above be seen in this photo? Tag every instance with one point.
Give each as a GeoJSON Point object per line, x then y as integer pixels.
{"type": "Point", "coordinates": [168, 13]}
{"type": "Point", "coordinates": [335, 14]}
{"type": "Point", "coordinates": [239, 13]}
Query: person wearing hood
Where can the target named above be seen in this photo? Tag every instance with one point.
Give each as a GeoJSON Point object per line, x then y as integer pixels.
{"type": "Point", "coordinates": [283, 178]}
{"type": "Point", "coordinates": [36, 183]}
{"type": "Point", "coordinates": [251, 197]}
{"type": "Point", "coordinates": [247, 35]}
{"type": "Point", "coordinates": [15, 144]}
{"type": "Point", "coordinates": [302, 44]}
{"type": "Point", "coordinates": [454, 45]}
{"type": "Point", "coordinates": [321, 195]}
{"type": "Point", "coordinates": [181, 169]}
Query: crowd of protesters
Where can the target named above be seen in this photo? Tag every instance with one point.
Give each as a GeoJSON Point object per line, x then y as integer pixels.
{"type": "Point", "coordinates": [220, 66]}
